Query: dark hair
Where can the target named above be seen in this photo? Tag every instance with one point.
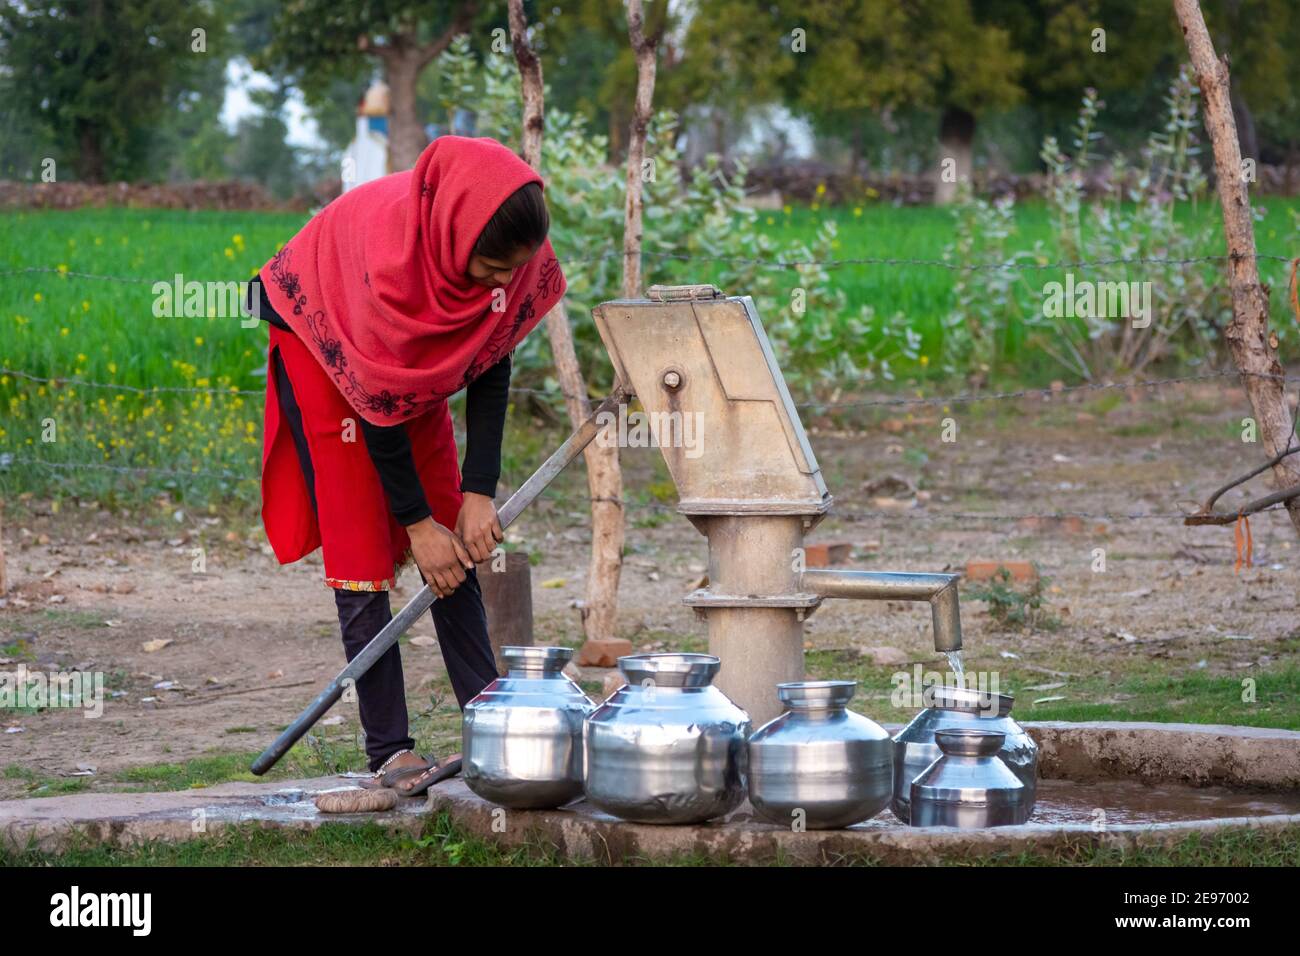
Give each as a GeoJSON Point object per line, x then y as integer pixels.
{"type": "Point", "coordinates": [520, 222]}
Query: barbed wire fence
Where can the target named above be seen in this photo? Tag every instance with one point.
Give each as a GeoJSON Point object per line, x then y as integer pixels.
{"type": "Point", "coordinates": [9, 459]}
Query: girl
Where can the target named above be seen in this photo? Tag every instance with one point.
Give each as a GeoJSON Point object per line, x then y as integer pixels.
{"type": "Point", "coordinates": [395, 296]}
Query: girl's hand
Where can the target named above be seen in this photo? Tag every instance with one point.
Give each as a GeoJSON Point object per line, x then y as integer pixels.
{"type": "Point", "coordinates": [440, 556]}
{"type": "Point", "coordinates": [478, 526]}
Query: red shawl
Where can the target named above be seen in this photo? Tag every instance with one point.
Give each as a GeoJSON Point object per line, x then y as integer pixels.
{"type": "Point", "coordinates": [376, 286]}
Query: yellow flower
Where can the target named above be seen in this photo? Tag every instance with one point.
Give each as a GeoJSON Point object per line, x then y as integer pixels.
{"type": "Point", "coordinates": [198, 340]}
{"type": "Point", "coordinates": [85, 305]}
{"type": "Point", "coordinates": [821, 189]}
{"type": "Point", "coordinates": [787, 209]}
{"type": "Point", "coordinates": [770, 220]}
{"type": "Point", "coordinates": [38, 297]}
{"type": "Point", "coordinates": [872, 193]}
{"type": "Point", "coordinates": [99, 241]}
{"type": "Point", "coordinates": [925, 360]}
{"type": "Point", "coordinates": [857, 210]}
{"type": "Point", "coordinates": [63, 268]}
{"type": "Point", "coordinates": [112, 368]}
{"type": "Point", "coordinates": [816, 206]}
{"type": "Point", "coordinates": [230, 253]}
{"type": "Point", "coordinates": [63, 331]}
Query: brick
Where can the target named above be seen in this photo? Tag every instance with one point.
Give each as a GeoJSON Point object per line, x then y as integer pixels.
{"type": "Point", "coordinates": [988, 570]}
{"type": "Point", "coordinates": [825, 553]}
{"type": "Point", "coordinates": [603, 652]}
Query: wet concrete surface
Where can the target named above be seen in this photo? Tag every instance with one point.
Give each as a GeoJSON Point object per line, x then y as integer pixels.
{"type": "Point", "coordinates": [50, 823]}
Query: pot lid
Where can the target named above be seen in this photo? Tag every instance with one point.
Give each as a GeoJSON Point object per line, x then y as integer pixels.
{"type": "Point", "coordinates": [536, 658]}
{"type": "Point", "coordinates": [670, 670]}
{"type": "Point", "coordinates": [968, 699]}
{"type": "Point", "coordinates": [808, 694]}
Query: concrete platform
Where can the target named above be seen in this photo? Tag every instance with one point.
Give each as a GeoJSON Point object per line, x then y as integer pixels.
{"type": "Point", "coordinates": [582, 833]}
{"type": "Point", "coordinates": [1106, 784]}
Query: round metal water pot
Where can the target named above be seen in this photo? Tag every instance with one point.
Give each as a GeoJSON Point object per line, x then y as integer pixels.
{"type": "Point", "coordinates": [668, 746]}
{"type": "Point", "coordinates": [522, 736]}
{"type": "Point", "coordinates": [915, 748]}
{"type": "Point", "coordinates": [969, 786]}
{"type": "Point", "coordinates": [820, 763]}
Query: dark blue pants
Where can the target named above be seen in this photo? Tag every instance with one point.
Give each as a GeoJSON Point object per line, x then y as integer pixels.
{"type": "Point", "coordinates": [459, 620]}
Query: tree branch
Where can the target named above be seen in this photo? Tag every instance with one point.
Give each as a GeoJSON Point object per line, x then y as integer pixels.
{"type": "Point", "coordinates": [530, 79]}
{"type": "Point", "coordinates": [461, 23]}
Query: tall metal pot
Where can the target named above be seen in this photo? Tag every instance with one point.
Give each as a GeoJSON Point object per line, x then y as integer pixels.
{"type": "Point", "coordinates": [668, 746]}
{"type": "Point", "coordinates": [522, 735]}
{"type": "Point", "coordinates": [820, 763]}
{"type": "Point", "coordinates": [946, 706]}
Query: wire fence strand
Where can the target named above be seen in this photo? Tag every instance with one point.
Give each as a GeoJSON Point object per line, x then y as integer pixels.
{"type": "Point", "coordinates": [1018, 264]}
{"type": "Point", "coordinates": [908, 515]}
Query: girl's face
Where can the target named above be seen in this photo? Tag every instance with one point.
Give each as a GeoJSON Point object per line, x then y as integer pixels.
{"type": "Point", "coordinates": [494, 273]}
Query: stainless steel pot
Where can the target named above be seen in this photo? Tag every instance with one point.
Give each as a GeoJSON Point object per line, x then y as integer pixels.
{"type": "Point", "coordinates": [819, 763]}
{"type": "Point", "coordinates": [667, 747]}
{"type": "Point", "coordinates": [915, 748]}
{"type": "Point", "coordinates": [969, 786]}
{"type": "Point", "coordinates": [522, 736]}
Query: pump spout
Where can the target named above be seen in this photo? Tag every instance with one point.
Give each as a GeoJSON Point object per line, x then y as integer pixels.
{"type": "Point", "coordinates": [939, 589]}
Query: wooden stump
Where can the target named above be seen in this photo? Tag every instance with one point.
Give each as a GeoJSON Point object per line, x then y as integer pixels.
{"type": "Point", "coordinates": [4, 580]}
{"type": "Point", "coordinates": [508, 600]}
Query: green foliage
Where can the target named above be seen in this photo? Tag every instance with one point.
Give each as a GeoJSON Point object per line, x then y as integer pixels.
{"type": "Point", "coordinates": [93, 79]}
{"type": "Point", "coordinates": [996, 311]}
{"type": "Point", "coordinates": [697, 214]}
{"type": "Point", "coordinates": [1015, 608]}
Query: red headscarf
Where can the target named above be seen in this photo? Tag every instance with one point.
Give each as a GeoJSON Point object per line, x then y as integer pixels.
{"type": "Point", "coordinates": [376, 283]}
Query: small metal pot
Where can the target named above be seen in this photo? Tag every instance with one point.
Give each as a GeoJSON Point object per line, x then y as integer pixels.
{"type": "Point", "coordinates": [668, 746]}
{"type": "Point", "coordinates": [915, 748]}
{"type": "Point", "coordinates": [522, 735]}
{"type": "Point", "coordinates": [969, 786]}
{"type": "Point", "coordinates": [819, 763]}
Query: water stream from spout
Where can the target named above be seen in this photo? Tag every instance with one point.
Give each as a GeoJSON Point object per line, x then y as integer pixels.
{"type": "Point", "coordinates": [954, 661]}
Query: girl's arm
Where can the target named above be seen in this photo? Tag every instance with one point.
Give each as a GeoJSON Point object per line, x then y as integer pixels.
{"type": "Point", "coordinates": [390, 450]}
{"type": "Point", "coordinates": [486, 399]}
{"type": "Point", "coordinates": [485, 420]}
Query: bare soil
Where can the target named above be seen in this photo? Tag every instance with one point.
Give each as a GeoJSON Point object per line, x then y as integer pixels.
{"type": "Point", "coordinates": [252, 642]}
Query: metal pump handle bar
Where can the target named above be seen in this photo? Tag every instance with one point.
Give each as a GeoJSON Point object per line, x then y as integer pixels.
{"type": "Point", "coordinates": [402, 621]}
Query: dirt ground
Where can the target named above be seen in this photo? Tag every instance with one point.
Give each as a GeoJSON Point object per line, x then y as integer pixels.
{"type": "Point", "coordinates": [252, 642]}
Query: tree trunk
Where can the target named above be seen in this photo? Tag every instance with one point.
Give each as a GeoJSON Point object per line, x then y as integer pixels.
{"type": "Point", "coordinates": [633, 207]}
{"type": "Point", "coordinates": [90, 162]}
{"type": "Point", "coordinates": [1245, 121]}
{"type": "Point", "coordinates": [404, 59]}
{"type": "Point", "coordinates": [1254, 351]}
{"type": "Point", "coordinates": [604, 476]}
{"type": "Point", "coordinates": [956, 151]}
{"type": "Point", "coordinates": [406, 139]}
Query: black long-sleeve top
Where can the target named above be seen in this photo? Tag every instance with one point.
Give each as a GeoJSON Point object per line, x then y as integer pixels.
{"type": "Point", "coordinates": [486, 399]}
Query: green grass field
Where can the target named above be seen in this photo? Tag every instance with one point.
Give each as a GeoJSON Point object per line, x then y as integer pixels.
{"type": "Point", "coordinates": [57, 324]}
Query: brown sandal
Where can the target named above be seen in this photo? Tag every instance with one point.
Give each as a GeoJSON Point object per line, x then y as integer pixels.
{"type": "Point", "coordinates": [439, 770]}
{"type": "Point", "coordinates": [384, 779]}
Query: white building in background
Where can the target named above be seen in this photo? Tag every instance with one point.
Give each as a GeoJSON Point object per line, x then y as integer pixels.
{"type": "Point", "coordinates": [366, 157]}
